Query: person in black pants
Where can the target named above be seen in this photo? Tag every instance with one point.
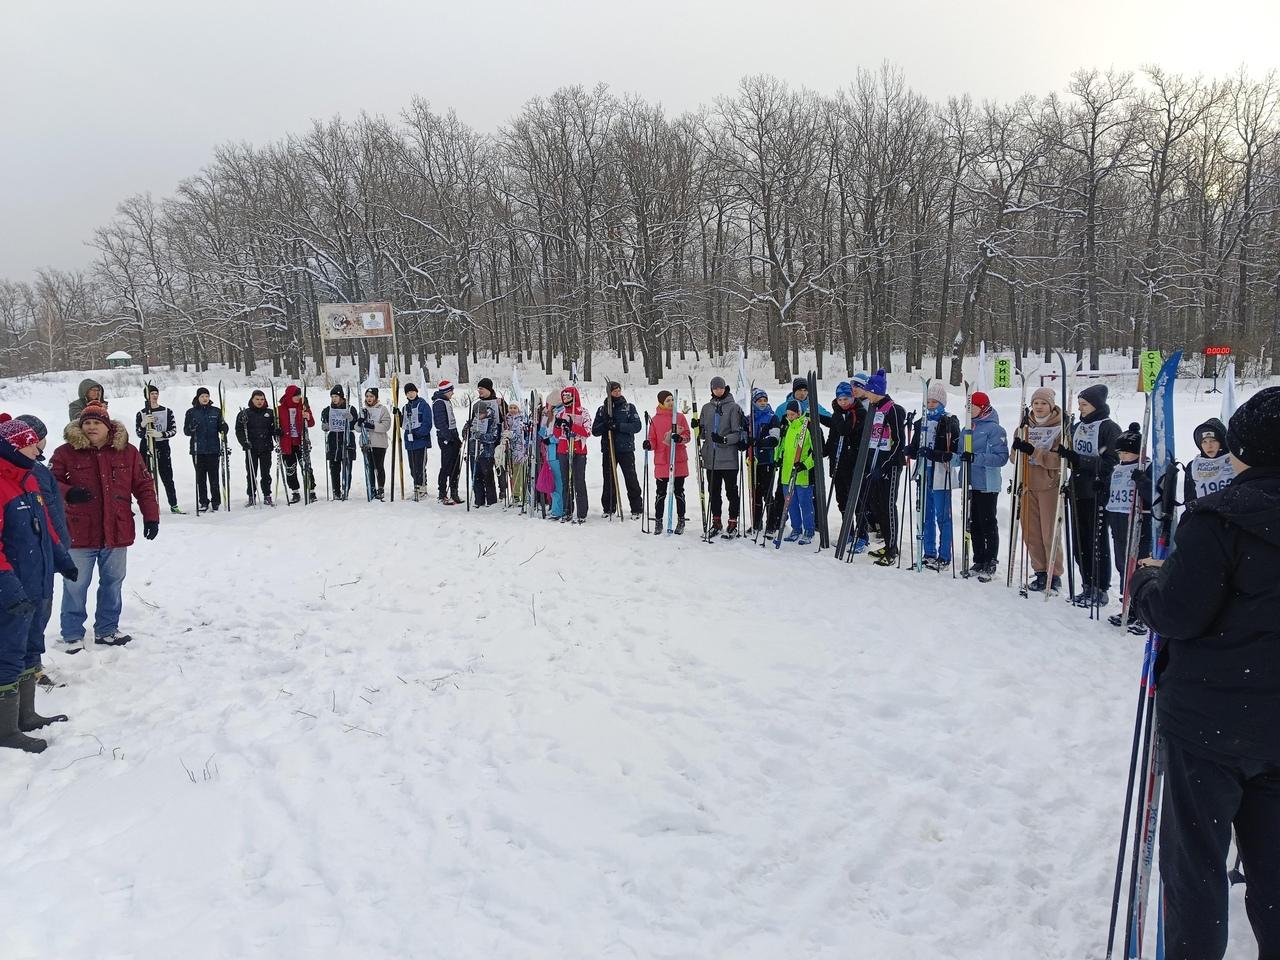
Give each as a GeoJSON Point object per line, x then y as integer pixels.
{"type": "Point", "coordinates": [985, 448]}
{"type": "Point", "coordinates": [206, 428]}
{"type": "Point", "coordinates": [256, 432]}
{"type": "Point", "coordinates": [337, 420]}
{"type": "Point", "coordinates": [450, 441]}
{"type": "Point", "coordinates": [1130, 485]}
{"type": "Point", "coordinates": [156, 424]}
{"type": "Point", "coordinates": [1215, 602]}
{"type": "Point", "coordinates": [619, 419]}
{"type": "Point", "coordinates": [765, 433]}
{"type": "Point", "coordinates": [1092, 457]}
{"type": "Point", "coordinates": [887, 423]}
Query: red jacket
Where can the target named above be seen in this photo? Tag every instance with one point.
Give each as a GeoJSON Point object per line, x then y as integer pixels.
{"type": "Point", "coordinates": [660, 440]}
{"type": "Point", "coordinates": [580, 425]}
{"type": "Point", "coordinates": [292, 418]}
{"type": "Point", "coordinates": [114, 475]}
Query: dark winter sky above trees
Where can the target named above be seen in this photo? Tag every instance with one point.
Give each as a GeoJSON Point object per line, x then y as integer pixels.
{"type": "Point", "coordinates": [102, 100]}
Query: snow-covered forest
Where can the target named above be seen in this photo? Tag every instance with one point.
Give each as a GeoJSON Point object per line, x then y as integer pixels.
{"type": "Point", "coordinates": [1126, 211]}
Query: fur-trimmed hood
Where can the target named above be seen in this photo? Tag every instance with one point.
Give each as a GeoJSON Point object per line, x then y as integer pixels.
{"type": "Point", "coordinates": [75, 436]}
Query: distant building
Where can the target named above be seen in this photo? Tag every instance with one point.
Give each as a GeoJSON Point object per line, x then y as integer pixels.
{"type": "Point", "coordinates": [119, 359]}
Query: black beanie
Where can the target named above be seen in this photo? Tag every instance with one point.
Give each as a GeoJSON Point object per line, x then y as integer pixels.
{"type": "Point", "coordinates": [1212, 428]}
{"type": "Point", "coordinates": [337, 392]}
{"type": "Point", "coordinates": [791, 406]}
{"type": "Point", "coordinates": [410, 386]}
{"type": "Point", "coordinates": [1131, 440]}
{"type": "Point", "coordinates": [799, 383]}
{"type": "Point", "coordinates": [1096, 397]}
{"type": "Point", "coordinates": [1254, 433]}
{"type": "Point", "coordinates": [663, 395]}
{"type": "Point", "coordinates": [485, 384]}
{"type": "Point", "coordinates": [373, 390]}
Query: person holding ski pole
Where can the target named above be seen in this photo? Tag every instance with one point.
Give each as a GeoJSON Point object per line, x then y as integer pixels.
{"type": "Point", "coordinates": [722, 427]}
{"type": "Point", "coordinates": [989, 454]}
{"type": "Point", "coordinates": [797, 467]}
{"type": "Point", "coordinates": [376, 423]}
{"type": "Point", "coordinates": [1211, 470]}
{"type": "Point", "coordinates": [206, 428]}
{"type": "Point", "coordinates": [294, 421]}
{"type": "Point", "coordinates": [515, 432]}
{"type": "Point", "coordinates": [765, 508]}
{"type": "Point", "coordinates": [889, 448]}
{"type": "Point", "coordinates": [339, 428]}
{"type": "Point", "coordinates": [935, 449]}
{"type": "Point", "coordinates": [551, 460]}
{"type": "Point", "coordinates": [621, 425]}
{"type": "Point", "coordinates": [416, 418]}
{"type": "Point", "coordinates": [256, 432]}
{"type": "Point", "coordinates": [450, 440]}
{"type": "Point", "coordinates": [1129, 497]}
{"type": "Point", "coordinates": [1041, 487]}
{"type": "Point", "coordinates": [155, 426]}
{"type": "Point", "coordinates": [570, 429]}
{"type": "Point", "coordinates": [1092, 457]}
{"type": "Point", "coordinates": [843, 432]}
{"type": "Point", "coordinates": [484, 431]}
{"type": "Point", "coordinates": [668, 430]}
{"type": "Point", "coordinates": [1215, 604]}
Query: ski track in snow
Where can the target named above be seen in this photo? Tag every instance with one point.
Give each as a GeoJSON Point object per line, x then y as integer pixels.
{"type": "Point", "coordinates": [341, 731]}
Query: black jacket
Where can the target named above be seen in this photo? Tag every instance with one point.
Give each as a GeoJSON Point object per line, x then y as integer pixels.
{"type": "Point", "coordinates": [626, 424]}
{"type": "Point", "coordinates": [1216, 603]}
{"type": "Point", "coordinates": [892, 441]}
{"type": "Point", "coordinates": [256, 429]}
{"type": "Point", "coordinates": [1091, 475]}
{"type": "Point", "coordinates": [205, 426]}
{"type": "Point", "coordinates": [842, 434]}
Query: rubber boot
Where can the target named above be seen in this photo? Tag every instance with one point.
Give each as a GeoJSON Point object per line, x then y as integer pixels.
{"type": "Point", "coordinates": [10, 735]}
{"type": "Point", "coordinates": [28, 719]}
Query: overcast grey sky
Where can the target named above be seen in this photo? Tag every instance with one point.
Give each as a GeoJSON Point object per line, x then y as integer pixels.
{"type": "Point", "coordinates": [103, 98]}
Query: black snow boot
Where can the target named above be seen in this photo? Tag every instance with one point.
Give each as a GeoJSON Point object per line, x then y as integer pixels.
{"type": "Point", "coordinates": [28, 719]}
{"type": "Point", "coordinates": [1039, 583]}
{"type": "Point", "coordinates": [679, 526]}
{"type": "Point", "coordinates": [10, 735]}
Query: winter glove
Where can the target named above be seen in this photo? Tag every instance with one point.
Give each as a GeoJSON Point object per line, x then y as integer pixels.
{"type": "Point", "coordinates": [766, 443]}
{"type": "Point", "coordinates": [744, 443]}
{"type": "Point", "coordinates": [79, 495]}
{"type": "Point", "coordinates": [647, 445]}
{"type": "Point", "coordinates": [71, 573]}
{"type": "Point", "coordinates": [675, 437]}
{"type": "Point", "coordinates": [1068, 455]}
{"type": "Point", "coordinates": [807, 464]}
{"type": "Point", "coordinates": [717, 437]}
{"type": "Point", "coordinates": [148, 420]}
{"type": "Point", "coordinates": [1022, 446]}
{"type": "Point", "coordinates": [695, 423]}
{"type": "Point", "coordinates": [966, 456]}
{"type": "Point", "coordinates": [150, 528]}
{"type": "Point", "coordinates": [564, 425]}
{"type": "Point", "coordinates": [1142, 487]}
{"type": "Point", "coordinates": [223, 429]}
{"type": "Point", "coordinates": [155, 434]}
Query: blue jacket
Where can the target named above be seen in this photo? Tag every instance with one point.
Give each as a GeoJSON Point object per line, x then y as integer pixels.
{"type": "Point", "coordinates": [767, 432]}
{"type": "Point", "coordinates": [204, 425]}
{"type": "Point", "coordinates": [990, 453]}
{"type": "Point", "coordinates": [416, 422]}
{"type": "Point", "coordinates": [30, 550]}
{"type": "Point", "coordinates": [53, 502]}
{"type": "Point", "coordinates": [445, 422]}
{"type": "Point", "coordinates": [781, 411]}
{"type": "Point", "coordinates": [626, 424]}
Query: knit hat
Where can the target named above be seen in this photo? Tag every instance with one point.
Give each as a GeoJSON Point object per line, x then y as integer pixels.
{"type": "Point", "coordinates": [844, 389]}
{"type": "Point", "coordinates": [485, 384]}
{"type": "Point", "coordinates": [980, 400]}
{"type": "Point", "coordinates": [877, 384]}
{"type": "Point", "coordinates": [937, 391]}
{"type": "Point", "coordinates": [799, 383]}
{"type": "Point", "coordinates": [612, 386]}
{"type": "Point", "coordinates": [1096, 397]}
{"type": "Point", "coordinates": [444, 386]}
{"type": "Point", "coordinates": [758, 394]}
{"type": "Point", "coordinates": [717, 383]}
{"type": "Point", "coordinates": [860, 379]}
{"type": "Point", "coordinates": [1131, 440]}
{"type": "Point", "coordinates": [199, 391]}
{"type": "Point", "coordinates": [1211, 428]}
{"type": "Point", "coordinates": [1254, 432]}
{"type": "Point", "coordinates": [35, 423]}
{"type": "Point", "coordinates": [792, 406]}
{"type": "Point", "coordinates": [663, 396]}
{"type": "Point", "coordinates": [96, 411]}
{"type": "Point", "coordinates": [1044, 393]}
{"type": "Point", "coordinates": [410, 388]}
{"type": "Point", "coordinates": [373, 390]}
{"type": "Point", "coordinates": [19, 433]}
{"type": "Point", "coordinates": [337, 391]}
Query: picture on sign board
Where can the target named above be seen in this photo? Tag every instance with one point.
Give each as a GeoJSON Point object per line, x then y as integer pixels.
{"type": "Point", "coordinates": [352, 321]}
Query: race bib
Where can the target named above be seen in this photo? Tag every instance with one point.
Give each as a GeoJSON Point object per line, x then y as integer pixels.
{"type": "Point", "coordinates": [1123, 492]}
{"type": "Point", "coordinates": [1210, 475]}
{"type": "Point", "coordinates": [337, 419]}
{"type": "Point", "coordinates": [1043, 437]}
{"type": "Point", "coordinates": [1085, 441]}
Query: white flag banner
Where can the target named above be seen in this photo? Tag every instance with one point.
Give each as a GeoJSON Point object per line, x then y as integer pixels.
{"type": "Point", "coordinates": [982, 366]}
{"type": "Point", "coordinates": [516, 388]}
{"type": "Point", "coordinates": [741, 390]}
{"type": "Point", "coordinates": [1228, 392]}
{"type": "Point", "coordinates": [372, 379]}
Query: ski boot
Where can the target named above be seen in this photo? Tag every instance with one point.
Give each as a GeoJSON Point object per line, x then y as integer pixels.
{"type": "Point", "coordinates": [658, 528]}
{"type": "Point", "coordinates": [1055, 587]}
{"type": "Point", "coordinates": [936, 564]}
{"type": "Point", "coordinates": [294, 496]}
{"type": "Point", "coordinates": [10, 735]}
{"type": "Point", "coordinates": [28, 719]}
{"type": "Point", "coordinates": [268, 501]}
{"type": "Point", "coordinates": [251, 502]}
{"type": "Point", "coordinates": [985, 572]}
{"type": "Point", "coordinates": [860, 545]}
{"type": "Point", "coordinates": [731, 531]}
{"type": "Point", "coordinates": [715, 528]}
{"type": "Point", "coordinates": [887, 559]}
{"type": "Point", "coordinates": [635, 515]}
{"type": "Point", "coordinates": [1084, 598]}
{"type": "Point", "coordinates": [1039, 584]}
{"type": "Point", "coordinates": [805, 540]}
{"type": "Point", "coordinates": [791, 537]}
{"type": "Point", "coordinates": [176, 509]}
{"type": "Point", "coordinates": [880, 553]}
{"type": "Point", "coordinates": [679, 526]}
{"type": "Point", "coordinates": [311, 497]}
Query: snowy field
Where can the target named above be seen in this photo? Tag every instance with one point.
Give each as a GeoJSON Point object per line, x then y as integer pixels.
{"type": "Point", "coordinates": [401, 730]}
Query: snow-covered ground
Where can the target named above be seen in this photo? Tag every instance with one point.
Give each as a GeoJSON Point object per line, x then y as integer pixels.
{"type": "Point", "coordinates": [403, 730]}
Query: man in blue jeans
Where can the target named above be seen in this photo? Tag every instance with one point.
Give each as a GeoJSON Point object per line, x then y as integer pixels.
{"type": "Point", "coordinates": [100, 474]}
